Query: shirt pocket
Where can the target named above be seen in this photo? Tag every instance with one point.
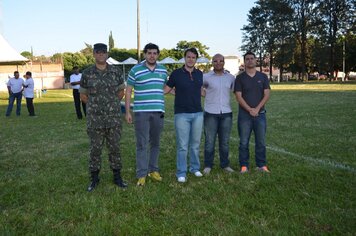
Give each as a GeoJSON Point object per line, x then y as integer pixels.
{"type": "Point", "coordinates": [92, 87]}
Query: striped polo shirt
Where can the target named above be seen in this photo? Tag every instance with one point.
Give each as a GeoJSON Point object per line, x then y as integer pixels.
{"type": "Point", "coordinates": [148, 87]}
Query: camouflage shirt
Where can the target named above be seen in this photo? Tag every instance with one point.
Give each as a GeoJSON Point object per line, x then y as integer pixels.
{"type": "Point", "coordinates": [102, 88]}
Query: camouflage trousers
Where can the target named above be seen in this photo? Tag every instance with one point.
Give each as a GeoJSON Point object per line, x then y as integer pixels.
{"type": "Point", "coordinates": [97, 137]}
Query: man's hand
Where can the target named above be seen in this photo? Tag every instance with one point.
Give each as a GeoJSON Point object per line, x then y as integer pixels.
{"type": "Point", "coordinates": [128, 117]}
{"type": "Point", "coordinates": [84, 97]}
{"type": "Point", "coordinates": [254, 112]}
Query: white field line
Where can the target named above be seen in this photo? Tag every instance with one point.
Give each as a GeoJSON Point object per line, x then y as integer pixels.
{"type": "Point", "coordinates": [313, 160]}
{"type": "Point", "coordinates": [317, 161]}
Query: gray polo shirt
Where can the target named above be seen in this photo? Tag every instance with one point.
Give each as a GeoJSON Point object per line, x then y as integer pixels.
{"type": "Point", "coordinates": [218, 89]}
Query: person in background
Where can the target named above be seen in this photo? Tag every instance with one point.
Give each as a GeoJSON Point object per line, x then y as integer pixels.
{"type": "Point", "coordinates": [147, 79]}
{"type": "Point", "coordinates": [101, 88]}
{"type": "Point", "coordinates": [75, 83]}
{"type": "Point", "coordinates": [188, 114]}
{"type": "Point", "coordinates": [252, 92]}
{"type": "Point", "coordinates": [218, 85]}
{"type": "Point", "coordinates": [15, 87]}
{"type": "Point", "coordinates": [29, 87]}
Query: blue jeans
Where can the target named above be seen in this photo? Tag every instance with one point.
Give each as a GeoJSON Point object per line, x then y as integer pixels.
{"type": "Point", "coordinates": [188, 134]}
{"type": "Point", "coordinates": [148, 128]}
{"type": "Point", "coordinates": [246, 124]}
{"type": "Point", "coordinates": [220, 125]}
{"type": "Point", "coordinates": [18, 97]}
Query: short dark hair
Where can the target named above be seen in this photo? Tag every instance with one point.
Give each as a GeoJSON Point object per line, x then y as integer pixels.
{"type": "Point", "coordinates": [16, 72]}
{"type": "Point", "coordinates": [29, 73]}
{"type": "Point", "coordinates": [75, 68]}
{"type": "Point", "coordinates": [192, 50]}
{"type": "Point", "coordinates": [150, 46]}
{"type": "Point", "coordinates": [249, 53]}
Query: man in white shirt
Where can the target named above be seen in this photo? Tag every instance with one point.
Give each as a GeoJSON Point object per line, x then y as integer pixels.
{"type": "Point", "coordinates": [218, 85]}
{"type": "Point", "coordinates": [75, 82]}
{"type": "Point", "coordinates": [28, 92]}
{"type": "Point", "coordinates": [14, 86]}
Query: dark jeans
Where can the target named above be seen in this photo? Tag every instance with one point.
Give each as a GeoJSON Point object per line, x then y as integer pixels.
{"type": "Point", "coordinates": [30, 107]}
{"type": "Point", "coordinates": [77, 102]}
{"type": "Point", "coordinates": [246, 124]}
{"type": "Point", "coordinates": [217, 125]}
{"type": "Point", "coordinates": [12, 97]}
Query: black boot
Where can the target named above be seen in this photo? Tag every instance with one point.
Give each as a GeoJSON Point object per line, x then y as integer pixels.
{"type": "Point", "coordinates": [94, 181]}
{"type": "Point", "coordinates": [118, 180]}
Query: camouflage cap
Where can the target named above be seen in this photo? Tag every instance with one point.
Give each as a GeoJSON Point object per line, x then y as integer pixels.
{"type": "Point", "coordinates": [100, 47]}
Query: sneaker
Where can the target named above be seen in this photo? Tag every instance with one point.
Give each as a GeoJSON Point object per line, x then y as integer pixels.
{"type": "Point", "coordinates": [243, 170]}
{"type": "Point", "coordinates": [207, 170]}
{"type": "Point", "coordinates": [182, 179]}
{"type": "Point", "coordinates": [141, 181]}
{"type": "Point", "coordinates": [263, 169]}
{"type": "Point", "coordinates": [198, 174]}
{"type": "Point", "coordinates": [155, 175]}
{"type": "Point", "coordinates": [229, 169]}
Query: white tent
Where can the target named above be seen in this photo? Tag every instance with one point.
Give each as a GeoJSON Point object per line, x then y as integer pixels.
{"type": "Point", "coordinates": [203, 60]}
{"type": "Point", "coordinates": [130, 61]}
{"type": "Point", "coordinates": [181, 61]}
{"type": "Point", "coordinates": [168, 60]}
{"type": "Point", "coordinates": [112, 61]}
{"type": "Point", "coordinates": [8, 54]}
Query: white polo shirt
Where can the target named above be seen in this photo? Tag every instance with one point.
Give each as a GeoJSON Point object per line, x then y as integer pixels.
{"type": "Point", "coordinates": [28, 92]}
{"type": "Point", "coordinates": [15, 84]}
{"type": "Point", "coordinates": [75, 78]}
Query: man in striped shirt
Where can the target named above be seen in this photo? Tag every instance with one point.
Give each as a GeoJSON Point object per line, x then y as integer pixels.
{"type": "Point", "coordinates": [147, 79]}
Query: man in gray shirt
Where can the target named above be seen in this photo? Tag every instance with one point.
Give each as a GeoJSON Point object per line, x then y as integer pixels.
{"type": "Point", "coordinates": [218, 85]}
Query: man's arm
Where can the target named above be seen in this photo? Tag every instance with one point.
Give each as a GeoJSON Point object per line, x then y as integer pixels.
{"type": "Point", "coordinates": [128, 93]}
{"type": "Point", "coordinates": [167, 89]}
{"type": "Point", "coordinates": [266, 95]}
{"type": "Point", "coordinates": [242, 101]}
{"type": "Point", "coordinates": [9, 89]}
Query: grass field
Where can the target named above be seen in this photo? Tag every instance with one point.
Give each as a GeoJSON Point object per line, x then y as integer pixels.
{"type": "Point", "coordinates": [311, 189]}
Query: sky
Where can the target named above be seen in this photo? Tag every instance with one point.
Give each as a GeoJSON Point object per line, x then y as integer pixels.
{"type": "Point", "coordinates": [56, 26]}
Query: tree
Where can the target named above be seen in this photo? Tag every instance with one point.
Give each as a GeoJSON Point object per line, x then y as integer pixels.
{"type": "Point", "coordinates": [254, 31]}
{"type": "Point", "coordinates": [74, 59]}
{"type": "Point", "coordinates": [27, 54]}
{"type": "Point", "coordinates": [334, 18]}
{"type": "Point", "coordinates": [111, 42]}
{"type": "Point", "coordinates": [304, 13]}
{"type": "Point", "coordinates": [184, 45]}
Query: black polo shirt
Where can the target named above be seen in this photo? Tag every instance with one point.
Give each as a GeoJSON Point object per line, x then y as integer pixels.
{"type": "Point", "coordinates": [187, 90]}
{"type": "Point", "coordinates": [252, 88]}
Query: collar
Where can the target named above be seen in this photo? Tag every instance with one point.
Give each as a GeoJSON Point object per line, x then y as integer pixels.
{"type": "Point", "coordinates": [185, 70]}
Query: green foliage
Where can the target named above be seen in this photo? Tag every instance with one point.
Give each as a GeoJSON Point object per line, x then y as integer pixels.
{"type": "Point", "coordinates": [121, 54]}
{"type": "Point", "coordinates": [27, 54]}
{"type": "Point", "coordinates": [184, 45]}
{"type": "Point", "coordinates": [111, 42]}
{"type": "Point", "coordinates": [301, 36]}
{"type": "Point", "coordinates": [310, 191]}
{"type": "Point", "coordinates": [74, 59]}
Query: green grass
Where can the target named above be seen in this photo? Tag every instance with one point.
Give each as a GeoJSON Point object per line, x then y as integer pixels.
{"type": "Point", "coordinates": [311, 142]}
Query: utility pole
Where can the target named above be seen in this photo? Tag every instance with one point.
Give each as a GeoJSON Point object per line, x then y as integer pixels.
{"type": "Point", "coordinates": [138, 32]}
{"type": "Point", "coordinates": [343, 57]}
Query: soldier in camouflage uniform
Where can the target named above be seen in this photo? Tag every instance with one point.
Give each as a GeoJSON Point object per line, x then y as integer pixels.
{"type": "Point", "coordinates": [102, 87]}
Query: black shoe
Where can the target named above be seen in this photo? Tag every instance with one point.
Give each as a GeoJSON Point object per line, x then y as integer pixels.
{"type": "Point", "coordinates": [118, 180]}
{"type": "Point", "coordinates": [94, 181]}
{"type": "Point", "coordinates": [93, 185]}
{"type": "Point", "coordinates": [120, 184]}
